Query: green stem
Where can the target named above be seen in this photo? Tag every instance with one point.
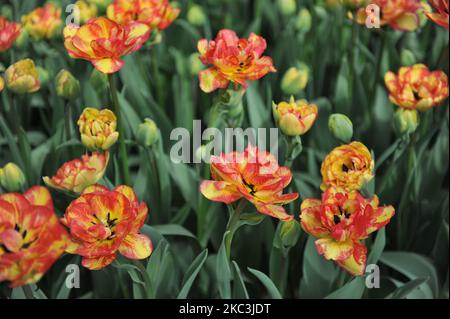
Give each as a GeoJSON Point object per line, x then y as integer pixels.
{"type": "Point", "coordinates": [292, 143]}
{"type": "Point", "coordinates": [233, 224]}
{"type": "Point", "coordinates": [123, 158]}
{"type": "Point", "coordinates": [28, 292]}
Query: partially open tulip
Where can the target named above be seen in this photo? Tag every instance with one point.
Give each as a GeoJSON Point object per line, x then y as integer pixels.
{"type": "Point", "coordinates": [254, 175]}
{"type": "Point", "coordinates": [294, 117]}
{"type": "Point", "coordinates": [105, 222]}
{"type": "Point", "coordinates": [98, 128]}
{"type": "Point", "coordinates": [341, 221]}
{"type": "Point", "coordinates": [22, 77]}
{"type": "Point", "coordinates": [441, 13]}
{"type": "Point", "coordinates": [103, 42]}
{"type": "Point", "coordinates": [76, 175]}
{"type": "Point", "coordinates": [44, 22]}
{"type": "Point", "coordinates": [406, 121]}
{"type": "Point", "coordinates": [87, 10]}
{"type": "Point", "coordinates": [157, 14]}
{"type": "Point", "coordinates": [232, 59]}
{"type": "Point", "coordinates": [147, 133]}
{"type": "Point", "coordinates": [12, 178]}
{"type": "Point", "coordinates": [417, 87]}
{"type": "Point", "coordinates": [66, 85]}
{"type": "Point", "coordinates": [398, 14]}
{"type": "Point", "coordinates": [31, 237]}
{"type": "Point", "coordinates": [295, 79]}
{"type": "Point", "coordinates": [9, 32]}
{"type": "Point", "coordinates": [347, 167]}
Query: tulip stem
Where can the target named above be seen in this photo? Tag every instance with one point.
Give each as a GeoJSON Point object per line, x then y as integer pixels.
{"type": "Point", "coordinates": [294, 148]}
{"type": "Point", "coordinates": [28, 292]}
{"type": "Point", "coordinates": [123, 158]}
{"type": "Point", "coordinates": [233, 224]}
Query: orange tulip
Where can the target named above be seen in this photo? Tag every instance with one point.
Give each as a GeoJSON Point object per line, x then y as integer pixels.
{"type": "Point", "coordinates": [157, 14]}
{"type": "Point", "coordinates": [294, 117]}
{"type": "Point", "coordinates": [104, 222]}
{"type": "Point", "coordinates": [43, 22]}
{"type": "Point", "coordinates": [78, 174]}
{"type": "Point", "coordinates": [232, 59]}
{"type": "Point", "coordinates": [9, 32]}
{"type": "Point", "coordinates": [31, 237]}
{"type": "Point", "coordinates": [103, 42]}
{"type": "Point", "coordinates": [254, 175]}
{"type": "Point", "coordinates": [341, 220]}
{"type": "Point", "coordinates": [416, 87]}
{"type": "Point", "coordinates": [442, 12]}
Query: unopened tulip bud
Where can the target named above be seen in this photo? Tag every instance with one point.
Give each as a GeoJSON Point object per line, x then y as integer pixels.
{"type": "Point", "coordinates": [295, 79]}
{"type": "Point", "coordinates": [341, 127]}
{"type": "Point", "coordinates": [43, 76]}
{"type": "Point", "coordinates": [196, 16]}
{"type": "Point", "coordinates": [406, 121]}
{"type": "Point", "coordinates": [287, 7]}
{"type": "Point", "coordinates": [22, 77]}
{"type": "Point", "coordinates": [12, 178]}
{"type": "Point", "coordinates": [303, 21]}
{"type": "Point", "coordinates": [407, 58]}
{"type": "Point", "coordinates": [99, 81]}
{"type": "Point", "coordinates": [195, 64]}
{"type": "Point", "coordinates": [147, 133]}
{"type": "Point", "coordinates": [290, 232]}
{"type": "Point", "coordinates": [66, 85]}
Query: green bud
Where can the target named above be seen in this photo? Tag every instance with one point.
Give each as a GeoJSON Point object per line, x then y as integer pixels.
{"type": "Point", "coordinates": [196, 16]}
{"type": "Point", "coordinates": [99, 81]}
{"type": "Point", "coordinates": [12, 178]}
{"type": "Point", "coordinates": [289, 233]}
{"type": "Point", "coordinates": [341, 127]}
{"type": "Point", "coordinates": [406, 121]}
{"type": "Point", "coordinates": [147, 133]}
{"type": "Point", "coordinates": [287, 7]}
{"type": "Point", "coordinates": [42, 75]}
{"type": "Point", "coordinates": [295, 79]}
{"type": "Point", "coordinates": [303, 21]}
{"type": "Point", "coordinates": [407, 58]}
{"type": "Point", "coordinates": [66, 85]}
{"type": "Point", "coordinates": [195, 64]}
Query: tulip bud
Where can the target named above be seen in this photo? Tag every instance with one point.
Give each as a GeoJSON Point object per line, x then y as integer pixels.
{"type": "Point", "coordinates": [196, 16]}
{"type": "Point", "coordinates": [407, 58]}
{"type": "Point", "coordinates": [22, 77]}
{"type": "Point", "coordinates": [43, 76]}
{"type": "Point", "coordinates": [289, 233]}
{"type": "Point", "coordinates": [66, 85]}
{"type": "Point", "coordinates": [12, 178]}
{"type": "Point", "coordinates": [341, 127]}
{"type": "Point", "coordinates": [406, 121]}
{"type": "Point", "coordinates": [287, 7]}
{"type": "Point", "coordinates": [147, 133]}
{"type": "Point", "coordinates": [294, 118]}
{"type": "Point", "coordinates": [303, 21]}
{"type": "Point", "coordinates": [99, 81]}
{"type": "Point", "coordinates": [195, 64]}
{"type": "Point", "coordinates": [295, 79]}
{"type": "Point", "coordinates": [2, 84]}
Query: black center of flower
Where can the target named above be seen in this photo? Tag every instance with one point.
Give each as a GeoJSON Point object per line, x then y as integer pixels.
{"type": "Point", "coordinates": [343, 214]}
{"type": "Point", "coordinates": [251, 186]}
{"type": "Point", "coordinates": [345, 168]}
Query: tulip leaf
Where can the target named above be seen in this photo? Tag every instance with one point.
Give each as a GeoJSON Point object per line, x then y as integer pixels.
{"type": "Point", "coordinates": [239, 289]}
{"type": "Point", "coordinates": [405, 290]}
{"type": "Point", "coordinates": [223, 271]}
{"type": "Point", "coordinates": [174, 230]}
{"type": "Point", "coordinates": [352, 290]}
{"type": "Point", "coordinates": [267, 283]}
{"type": "Point", "coordinates": [191, 274]}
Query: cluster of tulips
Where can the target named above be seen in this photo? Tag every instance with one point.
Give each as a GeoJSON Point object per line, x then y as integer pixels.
{"type": "Point", "coordinates": [101, 222]}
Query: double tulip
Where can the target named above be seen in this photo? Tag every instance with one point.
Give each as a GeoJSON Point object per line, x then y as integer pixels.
{"type": "Point", "coordinates": [294, 117]}
{"type": "Point", "coordinates": [441, 13]}
{"type": "Point", "coordinates": [9, 32]}
{"type": "Point", "coordinates": [98, 128]}
{"type": "Point", "coordinates": [22, 77]}
{"type": "Point", "coordinates": [44, 22]}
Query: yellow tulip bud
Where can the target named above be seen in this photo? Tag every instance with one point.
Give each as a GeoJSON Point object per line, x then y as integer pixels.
{"type": "Point", "coordinates": [147, 133]}
{"type": "Point", "coordinates": [294, 117]}
{"type": "Point", "coordinates": [295, 79]}
{"type": "Point", "coordinates": [196, 16]}
{"type": "Point", "coordinates": [98, 128]}
{"type": "Point", "coordinates": [303, 21]}
{"type": "Point", "coordinates": [290, 232]}
{"type": "Point", "coordinates": [12, 178]}
{"type": "Point", "coordinates": [287, 7]}
{"type": "Point", "coordinates": [66, 85]}
{"type": "Point", "coordinates": [406, 121]}
{"type": "Point", "coordinates": [341, 127]}
{"type": "Point", "coordinates": [22, 77]}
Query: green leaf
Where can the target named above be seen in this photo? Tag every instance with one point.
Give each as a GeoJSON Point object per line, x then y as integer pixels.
{"type": "Point", "coordinates": [174, 230]}
{"type": "Point", "coordinates": [239, 289]}
{"type": "Point", "coordinates": [267, 283]}
{"type": "Point", "coordinates": [352, 290]}
{"type": "Point", "coordinates": [405, 290]}
{"type": "Point", "coordinates": [223, 271]}
{"type": "Point", "coordinates": [192, 273]}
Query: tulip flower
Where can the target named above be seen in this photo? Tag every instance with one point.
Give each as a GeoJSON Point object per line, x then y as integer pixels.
{"type": "Point", "coordinates": [86, 10]}
{"type": "Point", "coordinates": [147, 133]}
{"type": "Point", "coordinates": [232, 59]}
{"type": "Point", "coordinates": [347, 167]}
{"type": "Point", "coordinates": [12, 178]}
{"type": "Point", "coordinates": [98, 128]}
{"type": "Point", "coordinates": [104, 222]}
{"type": "Point", "coordinates": [398, 14]}
{"type": "Point", "coordinates": [9, 32]}
{"type": "Point", "coordinates": [157, 14]}
{"type": "Point", "coordinates": [296, 117]}
{"type": "Point", "coordinates": [341, 127]}
{"type": "Point", "coordinates": [67, 86]}
{"type": "Point", "coordinates": [441, 15]}
{"type": "Point", "coordinates": [416, 87]}
{"type": "Point", "coordinates": [31, 237]}
{"type": "Point", "coordinates": [76, 175]}
{"type": "Point", "coordinates": [103, 42]}
{"type": "Point", "coordinates": [341, 221]}
{"type": "Point", "coordinates": [406, 121]}
{"type": "Point", "coordinates": [254, 175]}
{"type": "Point", "coordinates": [22, 77]}
{"type": "Point", "coordinates": [43, 22]}
{"type": "Point", "coordinates": [295, 79]}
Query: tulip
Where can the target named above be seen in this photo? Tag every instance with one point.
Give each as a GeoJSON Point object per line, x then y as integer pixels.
{"type": "Point", "coordinates": [295, 80]}
{"type": "Point", "coordinates": [2, 84]}
{"type": "Point", "coordinates": [31, 237]}
{"type": "Point", "coordinates": [287, 7]}
{"type": "Point", "coordinates": [340, 221]}
{"type": "Point", "coordinates": [66, 85]}
{"type": "Point", "coordinates": [98, 128]}
{"type": "Point", "coordinates": [87, 10]}
{"type": "Point", "coordinates": [406, 121]}
{"type": "Point", "coordinates": [341, 127]}
{"type": "Point", "coordinates": [196, 16]}
{"type": "Point", "coordinates": [441, 15]}
{"type": "Point", "coordinates": [78, 174]}
{"type": "Point", "coordinates": [104, 222]}
{"type": "Point", "coordinates": [304, 21]}
{"type": "Point", "coordinates": [289, 233]}
{"type": "Point", "coordinates": [147, 133]}
{"type": "Point", "coordinates": [347, 167]}
{"type": "Point", "coordinates": [9, 32]}
{"type": "Point", "coordinates": [12, 178]}
{"type": "Point", "coordinates": [44, 22]}
{"type": "Point", "coordinates": [22, 77]}
{"type": "Point", "coordinates": [296, 117]}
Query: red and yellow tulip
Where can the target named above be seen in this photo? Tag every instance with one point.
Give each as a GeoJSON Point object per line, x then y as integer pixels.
{"type": "Point", "coordinates": [22, 77]}
{"type": "Point", "coordinates": [103, 42]}
{"type": "Point", "coordinates": [294, 117]}
{"type": "Point", "coordinates": [43, 22]}
{"type": "Point", "coordinates": [98, 128]}
{"type": "Point", "coordinates": [341, 220]}
{"type": "Point", "coordinates": [254, 175]}
{"type": "Point", "coordinates": [232, 59]}
{"type": "Point", "coordinates": [31, 237]}
{"type": "Point", "coordinates": [76, 175]}
{"type": "Point", "coordinates": [104, 222]}
{"type": "Point", "coordinates": [416, 87]}
{"type": "Point", "coordinates": [86, 10]}
{"type": "Point", "coordinates": [9, 32]}
{"type": "Point", "coordinates": [157, 14]}
{"type": "Point", "coordinates": [347, 167]}
{"type": "Point", "coordinates": [441, 15]}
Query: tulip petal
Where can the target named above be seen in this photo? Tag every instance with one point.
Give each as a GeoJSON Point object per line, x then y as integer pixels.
{"type": "Point", "coordinates": [219, 191]}
{"type": "Point", "coordinates": [108, 65]}
{"type": "Point", "coordinates": [11, 239]}
{"type": "Point", "coordinates": [356, 262]}
{"type": "Point", "coordinates": [136, 246]}
{"type": "Point", "coordinates": [310, 218]}
{"type": "Point", "coordinates": [334, 250]}
{"type": "Point", "coordinates": [211, 80]}
{"type": "Point", "coordinates": [98, 263]}
{"type": "Point", "coordinates": [274, 211]}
